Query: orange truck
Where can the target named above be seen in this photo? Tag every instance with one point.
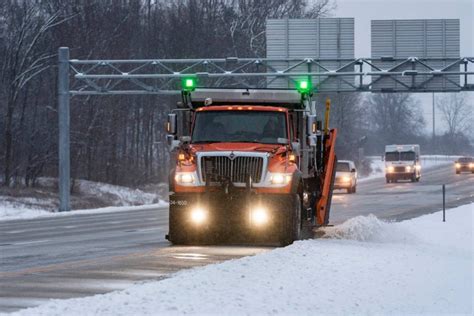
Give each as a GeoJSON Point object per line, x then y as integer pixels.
{"type": "Point", "coordinates": [251, 166]}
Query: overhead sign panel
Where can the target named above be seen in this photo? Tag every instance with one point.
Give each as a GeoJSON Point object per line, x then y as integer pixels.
{"type": "Point", "coordinates": [327, 41]}
{"type": "Point", "coordinates": [397, 40]}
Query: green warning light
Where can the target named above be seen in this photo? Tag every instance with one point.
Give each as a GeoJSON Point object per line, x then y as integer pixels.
{"type": "Point", "coordinates": [303, 86]}
{"type": "Point", "coordinates": [189, 84]}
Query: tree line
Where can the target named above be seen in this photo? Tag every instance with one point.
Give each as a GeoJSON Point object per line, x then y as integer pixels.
{"type": "Point", "coordinates": [120, 139]}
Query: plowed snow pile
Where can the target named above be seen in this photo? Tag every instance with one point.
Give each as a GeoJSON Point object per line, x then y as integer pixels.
{"type": "Point", "coordinates": [369, 228]}
{"type": "Point", "coordinates": [364, 266]}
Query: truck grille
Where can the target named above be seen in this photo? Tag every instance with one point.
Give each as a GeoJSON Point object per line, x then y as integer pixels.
{"type": "Point", "coordinates": [237, 169]}
{"type": "Point", "coordinates": [400, 169]}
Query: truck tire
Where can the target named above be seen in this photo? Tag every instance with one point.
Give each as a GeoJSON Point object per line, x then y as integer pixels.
{"type": "Point", "coordinates": [292, 231]}
{"type": "Point", "coordinates": [354, 189]}
{"type": "Point", "coordinates": [413, 177]}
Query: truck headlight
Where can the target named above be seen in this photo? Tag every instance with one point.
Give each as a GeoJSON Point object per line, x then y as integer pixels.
{"type": "Point", "coordinates": [407, 168]}
{"type": "Point", "coordinates": [471, 165]}
{"type": "Point", "coordinates": [280, 178]}
{"type": "Point", "coordinates": [198, 215]}
{"type": "Point", "coordinates": [458, 165]}
{"type": "Point", "coordinates": [185, 178]}
{"type": "Point", "coordinates": [390, 169]}
{"type": "Point", "coordinates": [259, 216]}
{"type": "Point", "coordinates": [418, 167]}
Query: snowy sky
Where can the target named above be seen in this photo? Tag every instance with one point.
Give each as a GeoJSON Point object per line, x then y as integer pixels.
{"type": "Point", "coordinates": [366, 10]}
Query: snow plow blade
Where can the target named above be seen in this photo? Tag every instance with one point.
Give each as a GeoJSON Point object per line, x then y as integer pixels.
{"type": "Point", "coordinates": [323, 206]}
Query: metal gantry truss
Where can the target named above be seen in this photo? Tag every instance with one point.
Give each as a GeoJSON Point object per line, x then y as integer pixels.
{"type": "Point", "coordinates": [163, 76]}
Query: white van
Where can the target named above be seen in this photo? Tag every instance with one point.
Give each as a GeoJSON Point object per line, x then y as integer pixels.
{"type": "Point", "coordinates": [402, 162]}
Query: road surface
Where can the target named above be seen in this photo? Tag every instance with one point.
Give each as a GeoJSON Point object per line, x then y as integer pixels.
{"type": "Point", "coordinates": [81, 255]}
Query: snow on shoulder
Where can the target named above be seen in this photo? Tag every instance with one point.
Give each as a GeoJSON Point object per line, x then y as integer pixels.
{"type": "Point", "coordinates": [364, 266]}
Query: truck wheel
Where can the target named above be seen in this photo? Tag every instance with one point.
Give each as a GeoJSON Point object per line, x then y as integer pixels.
{"type": "Point", "coordinates": [387, 180]}
{"type": "Point", "coordinates": [349, 190]}
{"type": "Point", "coordinates": [413, 177]}
{"type": "Point", "coordinates": [458, 172]}
{"type": "Point", "coordinates": [292, 231]}
{"type": "Point", "coordinates": [354, 189]}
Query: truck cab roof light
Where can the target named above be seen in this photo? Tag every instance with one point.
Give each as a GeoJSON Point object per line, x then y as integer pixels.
{"type": "Point", "coordinates": [189, 84]}
{"type": "Point", "coordinates": [304, 86]}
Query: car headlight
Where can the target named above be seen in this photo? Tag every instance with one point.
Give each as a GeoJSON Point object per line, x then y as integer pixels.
{"type": "Point", "coordinates": [390, 169]}
{"type": "Point", "coordinates": [458, 165]}
{"type": "Point", "coordinates": [185, 178]}
{"type": "Point", "coordinates": [407, 168]}
{"type": "Point", "coordinates": [346, 179]}
{"type": "Point", "coordinates": [280, 178]}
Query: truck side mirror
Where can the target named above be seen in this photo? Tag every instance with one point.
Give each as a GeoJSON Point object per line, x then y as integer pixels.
{"type": "Point", "coordinates": [172, 124]}
{"type": "Point", "coordinates": [353, 170]}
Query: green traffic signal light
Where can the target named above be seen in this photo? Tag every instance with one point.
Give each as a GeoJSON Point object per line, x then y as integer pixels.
{"type": "Point", "coordinates": [189, 84]}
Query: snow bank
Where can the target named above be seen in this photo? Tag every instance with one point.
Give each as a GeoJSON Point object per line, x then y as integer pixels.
{"type": "Point", "coordinates": [369, 228]}
{"type": "Point", "coordinates": [121, 198]}
{"type": "Point", "coordinates": [14, 213]}
{"type": "Point", "coordinates": [426, 270]}
{"type": "Point", "coordinates": [17, 210]}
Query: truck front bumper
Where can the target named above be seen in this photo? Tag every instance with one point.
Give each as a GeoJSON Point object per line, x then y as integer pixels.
{"type": "Point", "coordinates": [216, 217]}
{"type": "Point", "coordinates": [400, 175]}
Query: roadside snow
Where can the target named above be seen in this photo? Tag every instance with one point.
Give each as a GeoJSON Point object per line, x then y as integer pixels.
{"type": "Point", "coordinates": [427, 162]}
{"type": "Point", "coordinates": [364, 266]}
{"type": "Point", "coordinates": [12, 213]}
{"type": "Point", "coordinates": [122, 198]}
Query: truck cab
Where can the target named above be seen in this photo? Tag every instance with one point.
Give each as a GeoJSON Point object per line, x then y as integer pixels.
{"type": "Point", "coordinates": [248, 171]}
{"type": "Point", "coordinates": [402, 162]}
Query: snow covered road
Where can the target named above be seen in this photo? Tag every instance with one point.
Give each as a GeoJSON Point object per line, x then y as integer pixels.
{"type": "Point", "coordinates": [365, 266]}
{"type": "Point", "coordinates": [86, 254]}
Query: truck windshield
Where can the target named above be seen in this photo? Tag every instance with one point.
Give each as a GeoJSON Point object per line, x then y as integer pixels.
{"type": "Point", "coordinates": [407, 156]}
{"type": "Point", "coordinates": [392, 156]}
{"type": "Point", "coordinates": [239, 126]}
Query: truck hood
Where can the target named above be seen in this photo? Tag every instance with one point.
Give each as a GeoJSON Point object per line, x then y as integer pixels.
{"type": "Point", "coordinates": [270, 148]}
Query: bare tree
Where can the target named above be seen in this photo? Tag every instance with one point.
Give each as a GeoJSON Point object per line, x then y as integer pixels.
{"type": "Point", "coordinates": [456, 112]}
{"type": "Point", "coordinates": [395, 117]}
{"type": "Point", "coordinates": [22, 61]}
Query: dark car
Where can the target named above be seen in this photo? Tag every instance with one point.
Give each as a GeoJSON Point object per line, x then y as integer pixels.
{"type": "Point", "coordinates": [464, 164]}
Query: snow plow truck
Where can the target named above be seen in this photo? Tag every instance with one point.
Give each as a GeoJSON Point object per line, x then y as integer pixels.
{"type": "Point", "coordinates": [252, 166]}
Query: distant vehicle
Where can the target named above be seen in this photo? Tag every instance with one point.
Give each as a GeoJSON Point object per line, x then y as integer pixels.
{"type": "Point", "coordinates": [402, 162]}
{"type": "Point", "coordinates": [464, 164]}
{"type": "Point", "coordinates": [346, 176]}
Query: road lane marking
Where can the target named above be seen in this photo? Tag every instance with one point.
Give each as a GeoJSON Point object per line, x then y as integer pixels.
{"type": "Point", "coordinates": [30, 242]}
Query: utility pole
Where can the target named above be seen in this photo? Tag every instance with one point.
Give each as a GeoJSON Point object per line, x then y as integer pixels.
{"type": "Point", "coordinates": [63, 117]}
